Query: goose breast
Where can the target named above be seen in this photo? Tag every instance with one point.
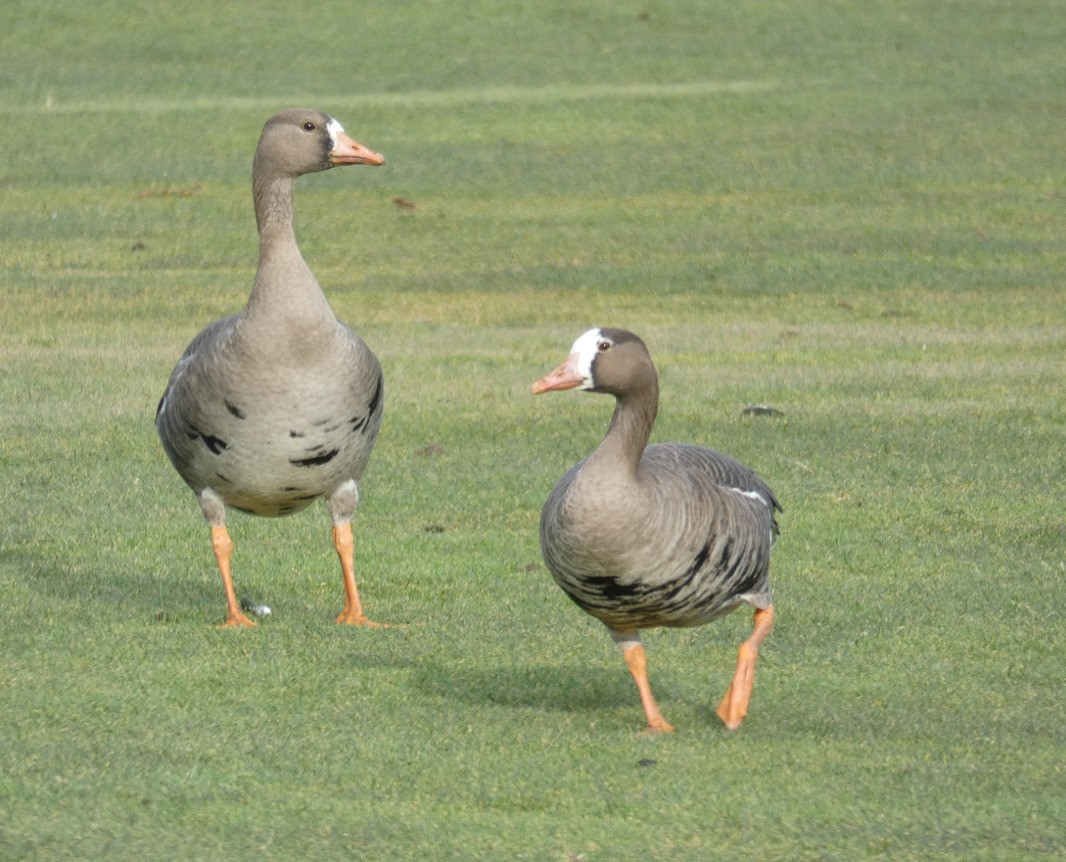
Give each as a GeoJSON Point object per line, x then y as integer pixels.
{"type": "Point", "coordinates": [270, 434]}
{"type": "Point", "coordinates": [686, 543]}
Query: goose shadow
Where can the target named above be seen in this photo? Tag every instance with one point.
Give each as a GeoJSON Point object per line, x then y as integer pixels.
{"type": "Point", "coordinates": [91, 590]}
{"type": "Point", "coordinates": [543, 685]}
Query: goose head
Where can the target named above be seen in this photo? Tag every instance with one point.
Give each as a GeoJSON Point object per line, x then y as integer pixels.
{"type": "Point", "coordinates": [301, 141]}
{"type": "Point", "coordinates": [612, 361]}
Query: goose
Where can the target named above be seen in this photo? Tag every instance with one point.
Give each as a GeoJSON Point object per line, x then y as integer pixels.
{"type": "Point", "coordinates": [670, 534]}
{"type": "Point", "coordinates": [277, 406]}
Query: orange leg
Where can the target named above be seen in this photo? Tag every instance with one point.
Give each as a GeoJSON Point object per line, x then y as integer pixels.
{"type": "Point", "coordinates": [637, 660]}
{"type": "Point", "coordinates": [734, 705]}
{"type": "Point", "coordinates": [353, 608]}
{"type": "Point", "coordinates": [222, 545]}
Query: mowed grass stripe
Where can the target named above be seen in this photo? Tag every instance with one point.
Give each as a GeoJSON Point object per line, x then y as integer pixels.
{"type": "Point", "coordinates": [425, 98]}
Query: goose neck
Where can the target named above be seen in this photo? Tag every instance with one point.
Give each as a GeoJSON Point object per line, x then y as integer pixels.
{"type": "Point", "coordinates": [284, 285]}
{"type": "Point", "coordinates": [273, 199]}
{"type": "Point", "coordinates": [628, 434]}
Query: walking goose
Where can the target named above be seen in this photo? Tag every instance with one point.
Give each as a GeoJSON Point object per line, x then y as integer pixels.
{"type": "Point", "coordinates": [272, 408]}
{"type": "Point", "coordinates": [664, 535]}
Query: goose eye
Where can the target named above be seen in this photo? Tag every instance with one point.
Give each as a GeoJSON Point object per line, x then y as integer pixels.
{"type": "Point", "coordinates": [309, 126]}
{"type": "Point", "coordinates": [603, 346]}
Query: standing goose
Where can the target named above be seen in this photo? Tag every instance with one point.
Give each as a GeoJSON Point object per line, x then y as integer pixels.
{"type": "Point", "coordinates": [664, 535]}
{"type": "Point", "coordinates": [272, 408]}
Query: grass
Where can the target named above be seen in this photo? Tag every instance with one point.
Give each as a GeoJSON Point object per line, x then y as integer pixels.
{"type": "Point", "coordinates": [852, 213]}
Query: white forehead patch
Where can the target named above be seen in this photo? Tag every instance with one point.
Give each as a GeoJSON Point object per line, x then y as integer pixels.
{"type": "Point", "coordinates": [334, 128]}
{"type": "Point", "coordinates": [585, 349]}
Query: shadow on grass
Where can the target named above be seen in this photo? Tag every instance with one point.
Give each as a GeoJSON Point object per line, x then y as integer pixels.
{"type": "Point", "coordinates": [91, 589]}
{"type": "Point", "coordinates": [564, 688]}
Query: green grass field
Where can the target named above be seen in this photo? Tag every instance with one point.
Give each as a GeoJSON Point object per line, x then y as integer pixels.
{"type": "Point", "coordinates": [852, 212]}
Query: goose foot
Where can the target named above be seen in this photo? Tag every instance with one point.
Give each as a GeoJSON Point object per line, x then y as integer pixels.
{"type": "Point", "coordinates": [734, 705]}
{"type": "Point", "coordinates": [661, 726]}
{"type": "Point", "coordinates": [358, 619]}
{"type": "Point", "coordinates": [240, 621]}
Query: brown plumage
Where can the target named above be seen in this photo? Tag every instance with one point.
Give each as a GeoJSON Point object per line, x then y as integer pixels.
{"type": "Point", "coordinates": [670, 534]}
{"type": "Point", "coordinates": [275, 407]}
